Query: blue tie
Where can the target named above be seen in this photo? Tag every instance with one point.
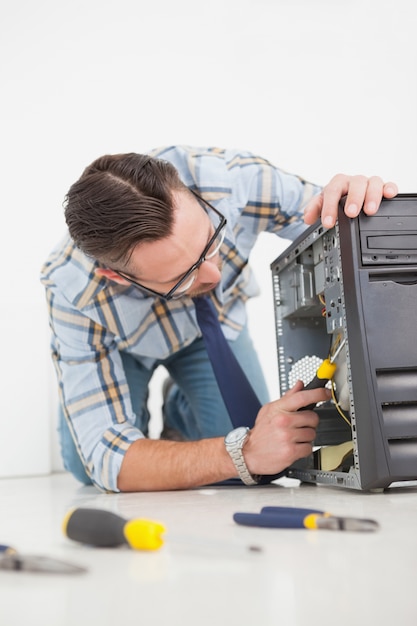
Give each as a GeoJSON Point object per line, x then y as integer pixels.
{"type": "Point", "coordinates": [237, 392]}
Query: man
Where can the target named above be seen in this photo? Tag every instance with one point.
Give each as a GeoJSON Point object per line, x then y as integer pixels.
{"type": "Point", "coordinates": [148, 234]}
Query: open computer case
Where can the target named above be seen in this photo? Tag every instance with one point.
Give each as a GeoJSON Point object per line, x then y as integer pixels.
{"type": "Point", "coordinates": [352, 291]}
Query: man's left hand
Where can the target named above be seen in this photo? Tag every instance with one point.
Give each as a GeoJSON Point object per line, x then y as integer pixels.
{"type": "Point", "coordinates": [362, 194]}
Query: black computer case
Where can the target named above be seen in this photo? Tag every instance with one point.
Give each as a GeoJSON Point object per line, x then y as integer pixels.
{"type": "Point", "coordinates": [354, 287]}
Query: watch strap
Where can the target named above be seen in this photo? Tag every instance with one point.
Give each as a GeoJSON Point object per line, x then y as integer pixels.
{"type": "Point", "coordinates": [235, 451]}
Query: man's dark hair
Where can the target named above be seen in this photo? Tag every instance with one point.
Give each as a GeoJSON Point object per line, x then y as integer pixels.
{"type": "Point", "coordinates": [118, 202]}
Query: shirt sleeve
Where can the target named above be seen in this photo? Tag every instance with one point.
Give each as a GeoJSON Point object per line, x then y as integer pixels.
{"type": "Point", "coordinates": [265, 198]}
{"type": "Point", "coordinates": [93, 390]}
{"type": "Point", "coordinates": [272, 199]}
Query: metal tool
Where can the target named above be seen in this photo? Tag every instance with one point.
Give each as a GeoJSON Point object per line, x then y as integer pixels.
{"type": "Point", "coordinates": [12, 560]}
{"type": "Point", "coordinates": [290, 517]}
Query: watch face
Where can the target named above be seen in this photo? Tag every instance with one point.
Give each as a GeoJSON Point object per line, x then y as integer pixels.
{"type": "Point", "coordinates": [236, 435]}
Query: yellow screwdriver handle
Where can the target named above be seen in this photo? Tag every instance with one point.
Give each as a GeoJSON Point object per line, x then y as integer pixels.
{"type": "Point", "coordinates": [326, 370]}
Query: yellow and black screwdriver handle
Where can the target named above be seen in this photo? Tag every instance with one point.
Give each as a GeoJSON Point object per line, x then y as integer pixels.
{"type": "Point", "coordinates": [324, 373]}
{"type": "Point", "coordinates": [105, 529]}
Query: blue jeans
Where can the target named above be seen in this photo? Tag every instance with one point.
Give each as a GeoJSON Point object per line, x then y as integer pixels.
{"type": "Point", "coordinates": [193, 406]}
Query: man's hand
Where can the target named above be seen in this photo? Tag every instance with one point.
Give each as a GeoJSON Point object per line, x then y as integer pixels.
{"type": "Point", "coordinates": [362, 193]}
{"type": "Point", "coordinates": [283, 433]}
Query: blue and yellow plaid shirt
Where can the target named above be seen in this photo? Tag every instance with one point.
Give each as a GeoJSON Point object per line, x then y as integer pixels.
{"type": "Point", "coordinates": [93, 319]}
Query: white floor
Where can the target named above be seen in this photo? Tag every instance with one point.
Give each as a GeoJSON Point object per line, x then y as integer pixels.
{"type": "Point", "coordinates": [210, 570]}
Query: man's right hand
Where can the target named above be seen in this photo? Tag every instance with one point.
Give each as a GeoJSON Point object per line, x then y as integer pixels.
{"type": "Point", "coordinates": [283, 432]}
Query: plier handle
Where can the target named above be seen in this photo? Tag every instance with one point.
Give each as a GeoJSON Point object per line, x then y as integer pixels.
{"type": "Point", "coordinates": [276, 517]}
{"type": "Point", "coordinates": [293, 517]}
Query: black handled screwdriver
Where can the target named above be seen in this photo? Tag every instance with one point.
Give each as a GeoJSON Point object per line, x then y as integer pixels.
{"type": "Point", "coordinates": [97, 527]}
{"type": "Point", "coordinates": [324, 373]}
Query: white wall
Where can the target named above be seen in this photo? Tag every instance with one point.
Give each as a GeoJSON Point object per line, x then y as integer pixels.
{"type": "Point", "coordinates": [316, 86]}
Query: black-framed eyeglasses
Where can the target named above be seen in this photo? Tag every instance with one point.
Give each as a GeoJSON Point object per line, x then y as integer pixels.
{"type": "Point", "coordinates": [210, 251]}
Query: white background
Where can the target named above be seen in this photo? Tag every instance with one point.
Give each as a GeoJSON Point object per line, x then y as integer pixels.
{"type": "Point", "coordinates": [315, 86]}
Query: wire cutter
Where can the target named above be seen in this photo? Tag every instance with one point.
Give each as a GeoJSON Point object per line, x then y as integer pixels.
{"type": "Point", "coordinates": [290, 517]}
{"type": "Point", "coordinates": [11, 560]}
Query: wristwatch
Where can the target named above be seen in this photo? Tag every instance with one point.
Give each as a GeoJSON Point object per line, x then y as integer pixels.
{"type": "Point", "coordinates": [234, 443]}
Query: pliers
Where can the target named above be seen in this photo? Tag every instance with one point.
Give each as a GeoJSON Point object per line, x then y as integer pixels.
{"type": "Point", "coordinates": [292, 517]}
{"type": "Point", "coordinates": [11, 560]}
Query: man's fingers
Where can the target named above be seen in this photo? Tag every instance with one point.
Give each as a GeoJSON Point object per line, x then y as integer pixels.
{"type": "Point", "coordinates": [390, 190]}
{"type": "Point", "coordinates": [305, 434]}
{"type": "Point", "coordinates": [313, 209]}
{"type": "Point", "coordinates": [298, 386]}
{"type": "Point", "coordinates": [367, 193]}
{"type": "Point", "coordinates": [357, 192]}
{"type": "Point", "coordinates": [296, 398]}
{"type": "Point", "coordinates": [373, 196]}
{"type": "Point", "coordinates": [337, 187]}
{"type": "Point", "coordinates": [362, 193]}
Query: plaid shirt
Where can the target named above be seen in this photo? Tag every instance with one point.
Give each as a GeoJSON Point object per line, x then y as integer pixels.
{"type": "Point", "coordinates": [93, 319]}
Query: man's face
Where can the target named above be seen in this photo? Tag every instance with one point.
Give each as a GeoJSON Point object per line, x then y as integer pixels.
{"type": "Point", "coordinates": [159, 265]}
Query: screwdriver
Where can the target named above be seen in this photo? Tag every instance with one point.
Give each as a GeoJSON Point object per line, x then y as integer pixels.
{"type": "Point", "coordinates": [101, 528]}
{"type": "Point", "coordinates": [105, 529]}
{"type": "Point", "coordinates": [324, 373]}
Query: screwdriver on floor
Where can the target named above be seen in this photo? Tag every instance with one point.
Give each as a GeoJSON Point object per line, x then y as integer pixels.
{"type": "Point", "coordinates": [101, 528]}
{"type": "Point", "coordinates": [324, 373]}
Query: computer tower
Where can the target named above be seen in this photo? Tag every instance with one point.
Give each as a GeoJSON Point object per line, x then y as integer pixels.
{"type": "Point", "coordinates": [353, 289]}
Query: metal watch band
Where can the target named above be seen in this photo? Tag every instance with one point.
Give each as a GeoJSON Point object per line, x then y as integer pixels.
{"type": "Point", "coordinates": [244, 474]}
{"type": "Point", "coordinates": [236, 454]}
